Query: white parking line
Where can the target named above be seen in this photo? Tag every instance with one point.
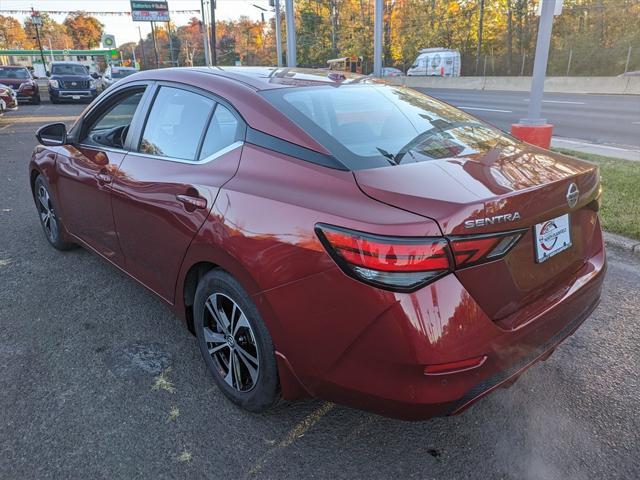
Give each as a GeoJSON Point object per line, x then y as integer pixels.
{"type": "Point", "coordinates": [484, 109]}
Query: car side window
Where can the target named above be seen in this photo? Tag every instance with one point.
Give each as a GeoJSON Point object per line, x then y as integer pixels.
{"type": "Point", "coordinates": [224, 130]}
{"type": "Point", "coordinates": [111, 127]}
{"type": "Point", "coordinates": [176, 123]}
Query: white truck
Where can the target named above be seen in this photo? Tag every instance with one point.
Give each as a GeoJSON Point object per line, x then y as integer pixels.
{"type": "Point", "coordinates": [436, 62]}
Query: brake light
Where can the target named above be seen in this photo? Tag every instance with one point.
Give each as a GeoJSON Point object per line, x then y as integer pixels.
{"type": "Point", "coordinates": [397, 263]}
{"type": "Point", "coordinates": [407, 263]}
{"type": "Point", "coordinates": [472, 250]}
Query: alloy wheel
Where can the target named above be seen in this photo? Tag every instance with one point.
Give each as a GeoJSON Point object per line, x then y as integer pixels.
{"type": "Point", "coordinates": [231, 342]}
{"type": "Point", "coordinates": [47, 213]}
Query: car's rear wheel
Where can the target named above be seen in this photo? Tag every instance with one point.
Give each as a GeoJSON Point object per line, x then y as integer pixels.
{"type": "Point", "coordinates": [235, 343]}
{"type": "Point", "coordinates": [47, 208]}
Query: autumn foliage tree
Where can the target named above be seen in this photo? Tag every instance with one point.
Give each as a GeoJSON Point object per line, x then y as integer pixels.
{"type": "Point", "coordinates": [85, 30]}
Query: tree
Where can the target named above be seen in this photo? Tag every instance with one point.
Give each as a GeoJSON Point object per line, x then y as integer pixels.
{"type": "Point", "coordinates": [12, 34]}
{"type": "Point", "coordinates": [51, 32]}
{"type": "Point", "coordinates": [85, 30]}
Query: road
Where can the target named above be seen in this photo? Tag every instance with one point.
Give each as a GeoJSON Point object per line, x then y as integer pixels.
{"type": "Point", "coordinates": [81, 346]}
{"type": "Point", "coordinates": [603, 119]}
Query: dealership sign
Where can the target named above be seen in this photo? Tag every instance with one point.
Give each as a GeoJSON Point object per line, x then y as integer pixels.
{"type": "Point", "coordinates": [149, 11]}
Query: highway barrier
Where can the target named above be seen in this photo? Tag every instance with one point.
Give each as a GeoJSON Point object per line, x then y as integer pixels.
{"type": "Point", "coordinates": [627, 85]}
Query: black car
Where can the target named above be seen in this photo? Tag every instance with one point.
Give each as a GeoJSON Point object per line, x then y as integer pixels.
{"type": "Point", "coordinates": [71, 81]}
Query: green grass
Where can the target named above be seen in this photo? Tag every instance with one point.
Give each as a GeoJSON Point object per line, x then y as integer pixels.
{"type": "Point", "coordinates": [620, 212]}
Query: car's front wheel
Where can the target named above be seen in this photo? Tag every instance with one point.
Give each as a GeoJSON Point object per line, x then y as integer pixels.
{"type": "Point", "coordinates": [47, 212]}
{"type": "Point", "coordinates": [235, 343]}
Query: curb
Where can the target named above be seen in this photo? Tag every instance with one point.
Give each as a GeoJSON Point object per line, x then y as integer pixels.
{"type": "Point", "coordinates": [624, 243]}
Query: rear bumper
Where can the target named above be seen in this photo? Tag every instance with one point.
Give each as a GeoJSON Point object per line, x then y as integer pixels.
{"type": "Point", "coordinates": [367, 348]}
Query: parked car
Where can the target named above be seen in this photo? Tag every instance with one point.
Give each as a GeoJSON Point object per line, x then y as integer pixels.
{"type": "Point", "coordinates": [22, 81]}
{"type": "Point", "coordinates": [345, 239]}
{"type": "Point", "coordinates": [8, 98]}
{"type": "Point", "coordinates": [436, 62]}
{"type": "Point", "coordinates": [69, 81]}
{"type": "Point", "coordinates": [391, 72]}
{"type": "Point", "coordinates": [113, 73]}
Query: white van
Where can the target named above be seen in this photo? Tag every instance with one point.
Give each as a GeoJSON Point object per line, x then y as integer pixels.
{"type": "Point", "coordinates": [436, 62]}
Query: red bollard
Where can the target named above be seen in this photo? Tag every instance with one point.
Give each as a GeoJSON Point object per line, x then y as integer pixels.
{"type": "Point", "coordinates": [539, 135]}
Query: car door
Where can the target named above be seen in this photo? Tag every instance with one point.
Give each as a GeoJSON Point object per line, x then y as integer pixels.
{"type": "Point", "coordinates": [188, 147]}
{"type": "Point", "coordinates": [87, 167]}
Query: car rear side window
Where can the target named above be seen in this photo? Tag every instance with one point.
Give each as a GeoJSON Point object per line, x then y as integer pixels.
{"type": "Point", "coordinates": [224, 130]}
{"type": "Point", "coordinates": [176, 123]}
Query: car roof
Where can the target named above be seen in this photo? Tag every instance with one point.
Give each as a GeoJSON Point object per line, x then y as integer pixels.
{"type": "Point", "coordinates": [13, 67]}
{"type": "Point", "coordinates": [268, 78]}
{"type": "Point", "coordinates": [66, 63]}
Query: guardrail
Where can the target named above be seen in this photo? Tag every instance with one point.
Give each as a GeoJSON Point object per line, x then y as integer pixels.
{"type": "Point", "coordinates": [628, 85]}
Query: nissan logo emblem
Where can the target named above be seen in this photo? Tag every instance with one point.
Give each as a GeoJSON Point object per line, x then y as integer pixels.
{"type": "Point", "coordinates": [572, 195]}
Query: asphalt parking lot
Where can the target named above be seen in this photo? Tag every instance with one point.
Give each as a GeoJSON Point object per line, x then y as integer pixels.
{"type": "Point", "coordinates": [82, 348]}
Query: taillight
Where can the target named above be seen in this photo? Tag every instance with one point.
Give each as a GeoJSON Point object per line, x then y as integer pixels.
{"type": "Point", "coordinates": [407, 263]}
{"type": "Point", "coordinates": [474, 249]}
{"type": "Point", "coordinates": [396, 263]}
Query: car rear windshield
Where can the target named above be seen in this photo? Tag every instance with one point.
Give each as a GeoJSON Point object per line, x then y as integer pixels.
{"type": "Point", "coordinates": [68, 70]}
{"type": "Point", "coordinates": [374, 125]}
{"type": "Point", "coordinates": [121, 73]}
{"type": "Point", "coordinates": [19, 73]}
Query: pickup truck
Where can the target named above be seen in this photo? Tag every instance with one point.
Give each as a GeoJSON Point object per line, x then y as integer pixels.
{"type": "Point", "coordinates": [69, 81]}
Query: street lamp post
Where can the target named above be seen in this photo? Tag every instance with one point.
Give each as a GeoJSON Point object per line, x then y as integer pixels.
{"type": "Point", "coordinates": [36, 19]}
{"type": "Point", "coordinates": [291, 34]}
{"type": "Point", "coordinates": [278, 32]}
{"type": "Point", "coordinates": [535, 129]}
{"type": "Point", "coordinates": [377, 39]}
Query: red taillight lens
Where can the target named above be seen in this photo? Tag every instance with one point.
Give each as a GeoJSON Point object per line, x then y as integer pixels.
{"type": "Point", "coordinates": [397, 263]}
{"type": "Point", "coordinates": [472, 250]}
{"type": "Point", "coordinates": [407, 263]}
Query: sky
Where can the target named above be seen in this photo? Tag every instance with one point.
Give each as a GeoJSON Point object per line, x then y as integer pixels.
{"type": "Point", "coordinates": [124, 29]}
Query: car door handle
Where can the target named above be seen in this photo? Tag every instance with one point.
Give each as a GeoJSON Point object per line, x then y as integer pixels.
{"type": "Point", "coordinates": [191, 203]}
{"type": "Point", "coordinates": [103, 177]}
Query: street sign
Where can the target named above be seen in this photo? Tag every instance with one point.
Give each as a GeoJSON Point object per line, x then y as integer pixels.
{"type": "Point", "coordinates": [149, 11]}
{"type": "Point", "coordinates": [108, 41]}
{"type": "Point", "coordinates": [36, 19]}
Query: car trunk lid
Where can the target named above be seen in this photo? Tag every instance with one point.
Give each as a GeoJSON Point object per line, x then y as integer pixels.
{"type": "Point", "coordinates": [502, 189]}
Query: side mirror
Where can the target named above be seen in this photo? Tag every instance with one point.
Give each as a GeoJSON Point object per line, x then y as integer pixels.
{"type": "Point", "coordinates": [35, 77]}
{"type": "Point", "coordinates": [52, 135]}
{"type": "Point", "coordinates": [48, 73]}
{"type": "Point", "coordinates": [95, 76]}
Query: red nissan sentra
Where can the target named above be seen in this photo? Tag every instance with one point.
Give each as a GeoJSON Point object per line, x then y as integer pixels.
{"type": "Point", "coordinates": [329, 235]}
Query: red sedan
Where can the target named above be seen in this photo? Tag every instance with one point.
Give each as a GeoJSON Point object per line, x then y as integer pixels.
{"type": "Point", "coordinates": [330, 237]}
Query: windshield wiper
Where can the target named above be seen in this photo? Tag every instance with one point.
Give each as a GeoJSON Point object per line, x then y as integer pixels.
{"type": "Point", "coordinates": [389, 156]}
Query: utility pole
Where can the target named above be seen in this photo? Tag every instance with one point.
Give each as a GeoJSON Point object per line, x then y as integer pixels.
{"type": "Point", "coordinates": [155, 45]}
{"type": "Point", "coordinates": [205, 35]}
{"type": "Point", "coordinates": [377, 38]}
{"type": "Point", "coordinates": [173, 63]}
{"type": "Point", "coordinates": [480, 28]}
{"type": "Point", "coordinates": [142, 60]}
{"type": "Point", "coordinates": [278, 33]}
{"type": "Point", "coordinates": [36, 19]}
{"type": "Point", "coordinates": [291, 34]}
{"type": "Point", "coordinates": [214, 57]}
{"type": "Point", "coordinates": [533, 128]}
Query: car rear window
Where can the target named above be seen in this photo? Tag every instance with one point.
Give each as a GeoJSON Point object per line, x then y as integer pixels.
{"type": "Point", "coordinates": [121, 73]}
{"type": "Point", "coordinates": [374, 125]}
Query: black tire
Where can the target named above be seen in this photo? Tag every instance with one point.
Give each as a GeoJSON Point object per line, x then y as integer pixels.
{"type": "Point", "coordinates": [36, 99]}
{"type": "Point", "coordinates": [54, 101]}
{"type": "Point", "coordinates": [53, 228]}
{"type": "Point", "coordinates": [264, 392]}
